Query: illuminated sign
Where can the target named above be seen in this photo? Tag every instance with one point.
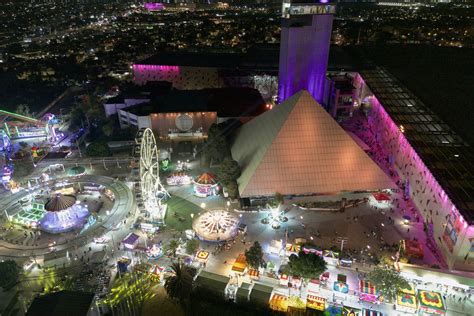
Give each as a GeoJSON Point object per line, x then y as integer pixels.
{"type": "Point", "coordinates": [305, 9]}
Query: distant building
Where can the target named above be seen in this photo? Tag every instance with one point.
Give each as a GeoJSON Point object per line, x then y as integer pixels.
{"type": "Point", "coordinates": [180, 114]}
{"type": "Point", "coordinates": [304, 47]}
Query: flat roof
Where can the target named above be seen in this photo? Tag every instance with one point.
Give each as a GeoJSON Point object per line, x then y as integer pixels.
{"type": "Point", "coordinates": [445, 153]}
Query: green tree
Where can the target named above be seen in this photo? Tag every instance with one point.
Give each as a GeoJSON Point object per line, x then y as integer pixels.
{"type": "Point", "coordinates": [179, 284]}
{"type": "Point", "coordinates": [306, 265]}
{"type": "Point", "coordinates": [77, 117]}
{"type": "Point", "coordinates": [233, 189]}
{"type": "Point", "coordinates": [216, 146]}
{"type": "Point", "coordinates": [98, 149]}
{"type": "Point", "coordinates": [192, 245]}
{"type": "Point", "coordinates": [279, 197]}
{"type": "Point", "coordinates": [173, 246]}
{"type": "Point", "coordinates": [388, 281]}
{"type": "Point", "coordinates": [9, 272]}
{"type": "Point", "coordinates": [22, 167]}
{"type": "Point", "coordinates": [108, 128]}
{"type": "Point", "coordinates": [229, 171]}
{"type": "Point", "coordinates": [254, 255]}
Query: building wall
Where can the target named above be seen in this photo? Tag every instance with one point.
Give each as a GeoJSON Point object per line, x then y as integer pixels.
{"type": "Point", "coordinates": [163, 122]}
{"type": "Point", "coordinates": [127, 119]}
{"type": "Point", "coordinates": [304, 52]}
{"type": "Point", "coordinates": [436, 208]}
{"type": "Point", "coordinates": [111, 108]}
{"type": "Point", "coordinates": [183, 78]}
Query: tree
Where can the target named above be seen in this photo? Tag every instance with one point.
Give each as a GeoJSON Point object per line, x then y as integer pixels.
{"type": "Point", "coordinates": [388, 281]}
{"type": "Point", "coordinates": [233, 189]}
{"type": "Point", "coordinates": [279, 197]}
{"type": "Point", "coordinates": [108, 128]}
{"type": "Point", "coordinates": [9, 272]}
{"type": "Point", "coordinates": [98, 149]}
{"type": "Point", "coordinates": [77, 117]}
{"type": "Point", "coordinates": [228, 171]}
{"type": "Point", "coordinates": [306, 265]}
{"type": "Point", "coordinates": [179, 284]}
{"type": "Point", "coordinates": [22, 167]}
{"type": "Point", "coordinates": [173, 246]}
{"type": "Point", "coordinates": [216, 146]}
{"type": "Point", "coordinates": [254, 255]}
{"type": "Point", "coordinates": [192, 245]}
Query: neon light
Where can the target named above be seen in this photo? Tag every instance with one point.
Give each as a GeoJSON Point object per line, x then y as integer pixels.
{"type": "Point", "coordinates": [154, 6]}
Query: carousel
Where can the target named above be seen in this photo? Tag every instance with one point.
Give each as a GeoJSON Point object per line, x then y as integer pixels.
{"type": "Point", "coordinates": [216, 225]}
{"type": "Point", "coordinates": [205, 185]}
{"type": "Point", "coordinates": [63, 213]}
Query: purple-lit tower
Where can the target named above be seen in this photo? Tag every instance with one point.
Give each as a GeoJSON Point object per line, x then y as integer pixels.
{"type": "Point", "coordinates": [304, 47]}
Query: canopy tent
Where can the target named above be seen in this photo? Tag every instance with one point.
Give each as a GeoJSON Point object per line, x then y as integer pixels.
{"type": "Point", "coordinates": [316, 302]}
{"type": "Point", "coordinates": [381, 196]}
{"type": "Point", "coordinates": [254, 274]}
{"type": "Point", "coordinates": [206, 179]}
{"type": "Point", "coordinates": [212, 282]}
{"type": "Point", "coordinates": [279, 303]}
{"type": "Point", "coordinates": [240, 264]}
{"type": "Point", "coordinates": [293, 248]}
{"type": "Point", "coordinates": [351, 311]}
{"type": "Point", "coordinates": [261, 294]}
{"type": "Point", "coordinates": [368, 292]}
{"type": "Point", "coordinates": [130, 241]}
{"type": "Point", "coordinates": [431, 302]}
{"type": "Point", "coordinates": [406, 302]}
{"type": "Point", "coordinates": [295, 303]}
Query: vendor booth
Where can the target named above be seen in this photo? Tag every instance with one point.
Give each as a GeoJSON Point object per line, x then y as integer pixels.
{"type": "Point", "coordinates": [413, 248]}
{"type": "Point", "coordinates": [370, 312]}
{"type": "Point", "coordinates": [292, 249]}
{"type": "Point", "coordinates": [178, 178]}
{"type": "Point", "coordinates": [351, 311]}
{"type": "Point", "coordinates": [202, 256]}
{"type": "Point", "coordinates": [205, 185]}
{"type": "Point", "coordinates": [240, 264]}
{"type": "Point", "coordinates": [341, 285]}
{"type": "Point", "coordinates": [431, 303]}
{"type": "Point", "coordinates": [406, 300]}
{"type": "Point", "coordinates": [368, 292]}
{"type": "Point", "coordinates": [284, 279]}
{"type": "Point", "coordinates": [316, 302]}
{"type": "Point", "coordinates": [254, 274]}
{"type": "Point", "coordinates": [296, 304]}
{"type": "Point", "coordinates": [131, 241]}
{"type": "Point", "coordinates": [279, 303]}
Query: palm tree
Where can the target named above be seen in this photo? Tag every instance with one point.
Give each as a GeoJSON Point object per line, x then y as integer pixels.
{"type": "Point", "coordinates": [179, 285]}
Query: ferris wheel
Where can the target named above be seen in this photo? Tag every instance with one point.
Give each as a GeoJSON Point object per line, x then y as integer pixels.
{"type": "Point", "coordinates": [149, 192]}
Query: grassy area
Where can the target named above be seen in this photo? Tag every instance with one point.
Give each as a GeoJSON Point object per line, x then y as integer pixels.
{"type": "Point", "coordinates": [178, 215]}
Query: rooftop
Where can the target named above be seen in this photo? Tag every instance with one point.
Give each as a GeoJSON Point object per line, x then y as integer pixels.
{"type": "Point", "coordinates": [71, 303]}
{"type": "Point", "coordinates": [448, 157]}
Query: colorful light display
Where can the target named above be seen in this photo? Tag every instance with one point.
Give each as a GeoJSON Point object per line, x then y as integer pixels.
{"type": "Point", "coordinates": [154, 6]}
{"type": "Point", "coordinates": [143, 73]}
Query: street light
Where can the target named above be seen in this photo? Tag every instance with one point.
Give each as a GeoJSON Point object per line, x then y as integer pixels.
{"type": "Point", "coordinates": [203, 205]}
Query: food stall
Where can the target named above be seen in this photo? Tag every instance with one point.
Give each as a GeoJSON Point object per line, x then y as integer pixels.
{"type": "Point", "coordinates": [202, 256]}
{"type": "Point", "coordinates": [131, 241]}
{"type": "Point", "coordinates": [279, 303]}
{"type": "Point", "coordinates": [296, 282]}
{"type": "Point", "coordinates": [341, 284]}
{"type": "Point", "coordinates": [370, 312]}
{"type": "Point", "coordinates": [205, 185]}
{"type": "Point", "coordinates": [368, 292]}
{"type": "Point", "coordinates": [296, 304]}
{"type": "Point", "coordinates": [431, 303]}
{"type": "Point", "coordinates": [351, 311]}
{"type": "Point", "coordinates": [178, 178]}
{"type": "Point", "coordinates": [406, 300]}
{"type": "Point", "coordinates": [254, 274]}
{"type": "Point", "coordinates": [292, 249]}
{"type": "Point", "coordinates": [313, 286]}
{"type": "Point", "coordinates": [240, 264]}
{"type": "Point", "coordinates": [316, 302]}
{"type": "Point", "coordinates": [284, 279]}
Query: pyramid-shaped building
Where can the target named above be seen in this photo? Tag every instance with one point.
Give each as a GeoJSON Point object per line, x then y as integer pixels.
{"type": "Point", "coordinates": [299, 149]}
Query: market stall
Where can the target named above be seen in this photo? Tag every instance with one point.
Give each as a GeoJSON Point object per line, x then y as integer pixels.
{"type": "Point", "coordinates": [240, 264]}
{"type": "Point", "coordinates": [205, 185]}
{"type": "Point", "coordinates": [431, 302]}
{"type": "Point", "coordinates": [368, 292]}
{"type": "Point", "coordinates": [279, 303]}
{"type": "Point", "coordinates": [202, 256]}
{"type": "Point", "coordinates": [178, 178]}
{"type": "Point", "coordinates": [254, 274]}
{"type": "Point", "coordinates": [284, 279]}
{"type": "Point", "coordinates": [406, 300]}
{"type": "Point", "coordinates": [292, 249]}
{"type": "Point", "coordinates": [316, 302]}
{"type": "Point", "coordinates": [413, 248]}
{"type": "Point", "coordinates": [296, 304]}
{"type": "Point", "coordinates": [370, 312]}
{"type": "Point", "coordinates": [130, 241]}
{"type": "Point", "coordinates": [351, 311]}
{"type": "Point", "coordinates": [341, 285]}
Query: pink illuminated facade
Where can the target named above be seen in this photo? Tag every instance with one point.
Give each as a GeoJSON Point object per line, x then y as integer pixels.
{"type": "Point", "coordinates": [181, 77]}
{"type": "Point", "coordinates": [453, 236]}
{"type": "Point", "coordinates": [154, 6]}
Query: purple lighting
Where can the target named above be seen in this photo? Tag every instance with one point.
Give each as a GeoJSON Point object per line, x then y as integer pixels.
{"type": "Point", "coordinates": [154, 6]}
{"type": "Point", "coordinates": [144, 73]}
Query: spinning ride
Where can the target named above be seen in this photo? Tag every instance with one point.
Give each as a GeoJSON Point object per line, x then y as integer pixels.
{"type": "Point", "coordinates": [217, 225]}
{"type": "Point", "coordinates": [149, 191]}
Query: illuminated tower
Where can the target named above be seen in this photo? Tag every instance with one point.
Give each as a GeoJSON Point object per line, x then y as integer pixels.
{"type": "Point", "coordinates": [304, 47]}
